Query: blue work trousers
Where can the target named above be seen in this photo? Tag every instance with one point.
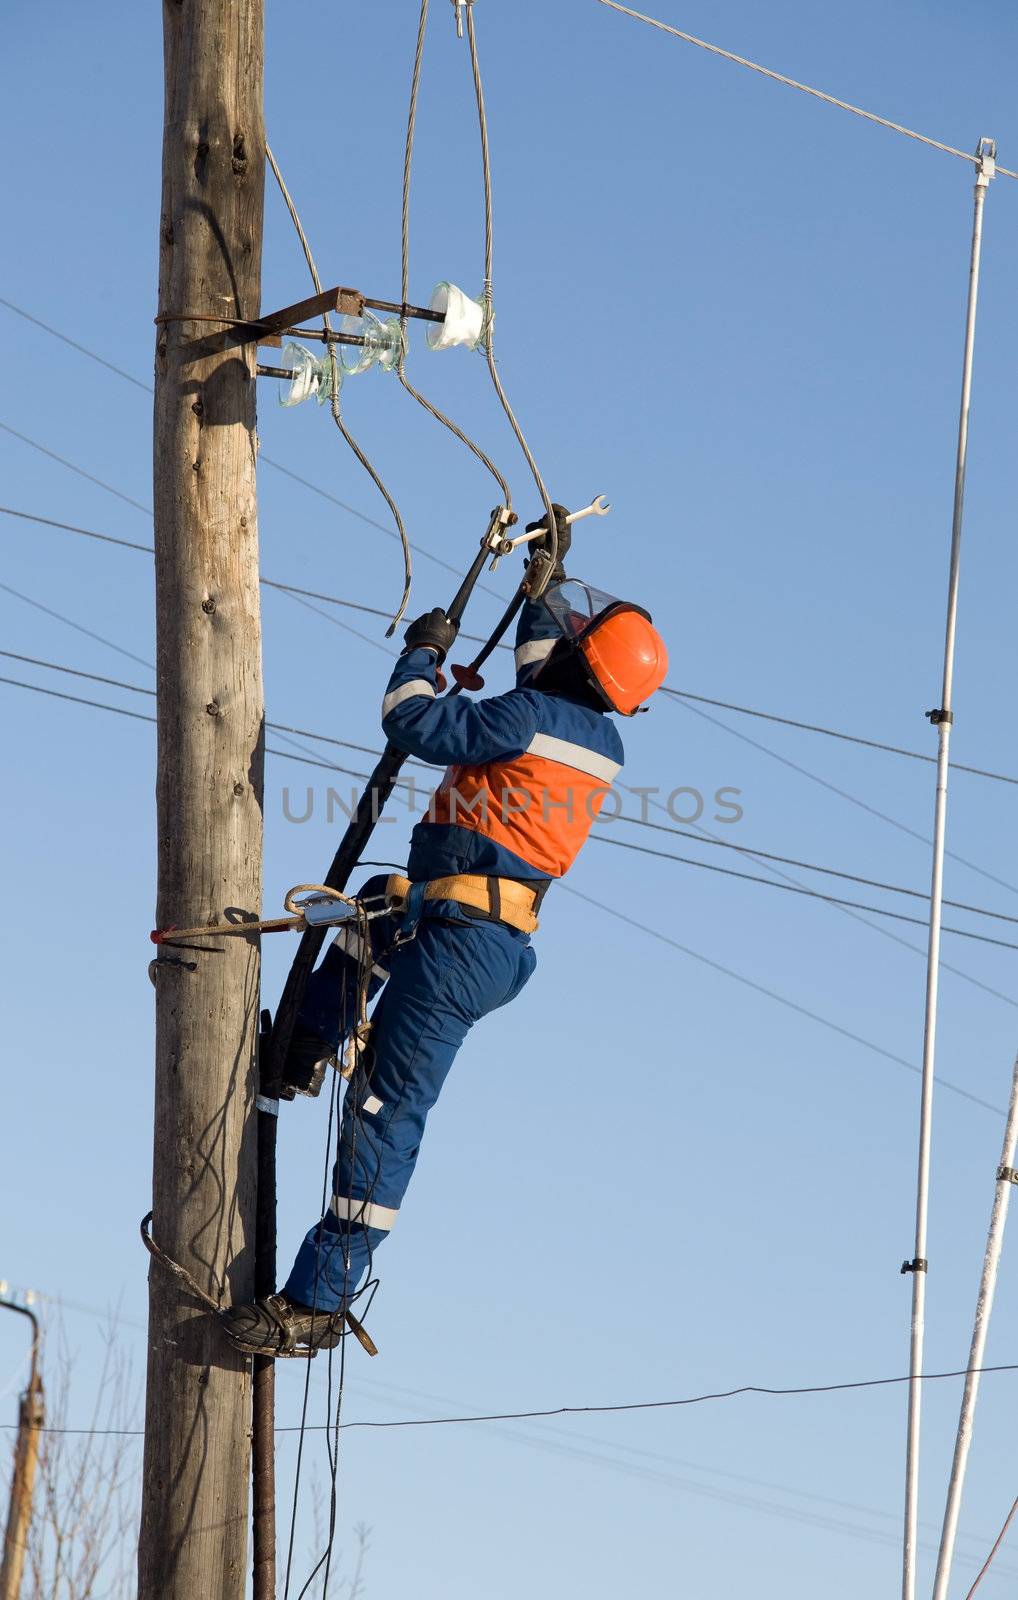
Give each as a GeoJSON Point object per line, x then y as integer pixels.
{"type": "Point", "coordinates": [449, 975]}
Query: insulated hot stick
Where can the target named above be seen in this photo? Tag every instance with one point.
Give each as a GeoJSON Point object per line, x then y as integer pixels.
{"type": "Point", "coordinates": [380, 786]}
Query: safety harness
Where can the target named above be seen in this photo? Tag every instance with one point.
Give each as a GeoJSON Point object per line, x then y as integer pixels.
{"type": "Point", "coordinates": [502, 899]}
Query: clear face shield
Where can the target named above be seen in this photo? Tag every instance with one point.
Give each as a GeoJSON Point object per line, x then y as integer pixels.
{"type": "Point", "coordinates": [574, 605]}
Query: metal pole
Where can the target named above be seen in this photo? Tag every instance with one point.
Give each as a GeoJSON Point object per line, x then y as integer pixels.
{"type": "Point", "coordinates": [1006, 1177]}
{"type": "Point", "coordinates": [31, 1416]}
{"type": "Point", "coordinates": [942, 717]}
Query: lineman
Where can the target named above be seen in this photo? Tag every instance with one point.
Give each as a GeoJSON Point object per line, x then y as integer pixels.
{"type": "Point", "coordinates": [526, 775]}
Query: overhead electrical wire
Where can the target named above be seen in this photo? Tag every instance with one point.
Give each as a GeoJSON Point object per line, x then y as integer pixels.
{"type": "Point", "coordinates": [791, 888]}
{"type": "Point", "coordinates": [856, 915]}
{"type": "Point", "coordinates": [439, 416]}
{"type": "Point", "coordinates": [628, 1460]}
{"type": "Point", "coordinates": [844, 909]}
{"type": "Point", "coordinates": [624, 844]}
{"type": "Point", "coordinates": [679, 694]}
{"type": "Point", "coordinates": [337, 415]}
{"type": "Point", "coordinates": [793, 83]}
{"type": "Point", "coordinates": [843, 794]}
{"type": "Point", "coordinates": [266, 583]}
{"type": "Point", "coordinates": [654, 933]}
{"type": "Point", "coordinates": [830, 733]}
{"type": "Point", "coordinates": [63, 461]}
{"type": "Point", "coordinates": [767, 1391]}
{"type": "Point", "coordinates": [263, 459]}
{"type": "Point", "coordinates": [551, 538]}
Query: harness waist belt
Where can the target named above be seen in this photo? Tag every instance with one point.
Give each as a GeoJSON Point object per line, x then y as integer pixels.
{"type": "Point", "coordinates": [504, 899]}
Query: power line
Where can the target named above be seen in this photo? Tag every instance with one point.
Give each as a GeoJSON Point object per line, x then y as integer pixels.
{"type": "Point", "coordinates": [68, 622]}
{"type": "Point", "coordinates": [63, 461]}
{"type": "Point", "coordinates": [843, 794]}
{"type": "Point", "coordinates": [593, 1410]}
{"type": "Point", "coordinates": [830, 733]}
{"type": "Point", "coordinates": [263, 459]}
{"type": "Point", "coordinates": [792, 888]}
{"type": "Point", "coordinates": [793, 83]}
{"type": "Point", "coordinates": [654, 933]}
{"type": "Point", "coordinates": [679, 694]}
{"type": "Point", "coordinates": [809, 866]}
{"type": "Point", "coordinates": [266, 583]}
{"type": "Point", "coordinates": [845, 909]}
{"type": "Point", "coordinates": [623, 844]}
{"type": "Point", "coordinates": [771, 994]}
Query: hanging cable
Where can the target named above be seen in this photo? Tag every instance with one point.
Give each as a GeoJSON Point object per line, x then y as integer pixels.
{"type": "Point", "coordinates": [421, 399]}
{"type": "Point", "coordinates": [489, 311]}
{"type": "Point", "coordinates": [337, 416]}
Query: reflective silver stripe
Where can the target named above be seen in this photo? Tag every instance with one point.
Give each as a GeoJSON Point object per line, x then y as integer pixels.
{"type": "Point", "coordinates": [406, 691]}
{"type": "Point", "coordinates": [572, 755]}
{"type": "Point", "coordinates": [536, 650]}
{"type": "Point", "coordinates": [354, 944]}
{"type": "Point", "coordinates": [269, 1106]}
{"type": "Point", "coordinates": [364, 1211]}
{"type": "Point", "coordinates": [372, 1104]}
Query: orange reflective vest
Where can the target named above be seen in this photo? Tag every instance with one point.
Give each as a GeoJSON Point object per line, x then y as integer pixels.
{"type": "Point", "coordinates": [540, 805]}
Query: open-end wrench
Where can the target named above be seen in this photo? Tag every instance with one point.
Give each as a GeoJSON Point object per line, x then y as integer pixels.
{"type": "Point", "coordinates": [599, 507]}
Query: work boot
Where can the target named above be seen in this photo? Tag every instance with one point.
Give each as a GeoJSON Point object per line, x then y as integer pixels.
{"type": "Point", "coordinates": [276, 1325]}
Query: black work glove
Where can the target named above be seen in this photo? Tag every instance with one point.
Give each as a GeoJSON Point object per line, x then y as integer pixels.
{"type": "Point", "coordinates": [433, 631]}
{"type": "Point", "coordinates": [564, 538]}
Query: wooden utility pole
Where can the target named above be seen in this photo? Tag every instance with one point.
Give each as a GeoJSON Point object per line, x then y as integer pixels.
{"type": "Point", "coordinates": [193, 1537]}
{"type": "Point", "coordinates": [31, 1415]}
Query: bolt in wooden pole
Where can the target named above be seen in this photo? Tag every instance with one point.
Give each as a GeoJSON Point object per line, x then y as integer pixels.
{"type": "Point", "coordinates": [194, 1529]}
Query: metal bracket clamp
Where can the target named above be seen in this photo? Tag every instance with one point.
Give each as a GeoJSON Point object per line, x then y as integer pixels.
{"type": "Point", "coordinates": [1007, 1175]}
{"type": "Point", "coordinates": [458, 7]}
{"type": "Point", "coordinates": [939, 715]}
{"type": "Point", "coordinates": [920, 1264]}
{"type": "Point", "coordinates": [495, 538]}
{"type": "Point", "coordinates": [986, 162]}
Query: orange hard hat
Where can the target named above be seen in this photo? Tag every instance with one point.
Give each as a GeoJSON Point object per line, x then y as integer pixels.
{"type": "Point", "coordinates": [625, 656]}
{"type": "Point", "coordinates": [617, 642]}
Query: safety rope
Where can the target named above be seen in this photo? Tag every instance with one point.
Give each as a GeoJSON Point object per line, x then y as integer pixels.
{"type": "Point", "coordinates": [337, 416]}
{"type": "Point", "coordinates": [421, 399]}
{"type": "Point", "coordinates": [489, 343]}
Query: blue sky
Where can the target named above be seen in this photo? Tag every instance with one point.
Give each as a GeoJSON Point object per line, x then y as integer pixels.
{"type": "Point", "coordinates": [739, 314]}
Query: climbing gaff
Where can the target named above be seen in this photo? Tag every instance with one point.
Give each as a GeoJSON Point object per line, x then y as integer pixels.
{"type": "Point", "coordinates": [465, 321]}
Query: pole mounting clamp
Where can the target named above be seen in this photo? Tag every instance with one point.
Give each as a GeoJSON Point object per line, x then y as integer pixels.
{"type": "Point", "coordinates": [940, 715]}
{"type": "Point", "coordinates": [1007, 1175]}
{"type": "Point", "coordinates": [986, 162]}
{"type": "Point", "coordinates": [920, 1264]}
